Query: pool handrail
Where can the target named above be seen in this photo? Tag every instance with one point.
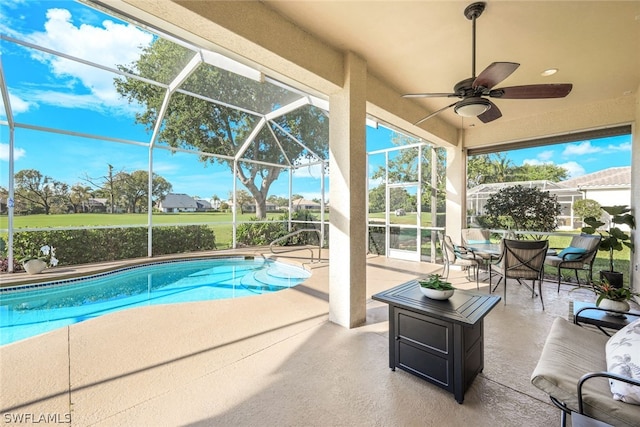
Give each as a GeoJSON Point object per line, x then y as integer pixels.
{"type": "Point", "coordinates": [293, 233]}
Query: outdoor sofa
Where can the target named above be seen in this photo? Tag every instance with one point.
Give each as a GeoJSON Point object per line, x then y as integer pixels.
{"type": "Point", "coordinates": [572, 370]}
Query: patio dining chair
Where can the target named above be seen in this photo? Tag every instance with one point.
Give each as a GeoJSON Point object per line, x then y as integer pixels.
{"type": "Point", "coordinates": [478, 236]}
{"type": "Point", "coordinates": [520, 260]}
{"type": "Point", "coordinates": [458, 255]}
{"type": "Point", "coordinates": [579, 255]}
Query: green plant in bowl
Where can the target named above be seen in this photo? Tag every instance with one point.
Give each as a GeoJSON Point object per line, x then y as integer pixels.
{"type": "Point", "coordinates": [435, 287]}
{"type": "Point", "coordinates": [435, 281]}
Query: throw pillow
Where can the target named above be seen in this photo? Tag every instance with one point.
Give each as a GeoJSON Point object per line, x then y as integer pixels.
{"type": "Point", "coordinates": [623, 358]}
{"type": "Point", "coordinates": [573, 253]}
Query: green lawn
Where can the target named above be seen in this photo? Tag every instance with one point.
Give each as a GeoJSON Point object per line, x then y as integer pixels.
{"type": "Point", "coordinates": [221, 224]}
{"type": "Point", "coordinates": [222, 229]}
{"type": "Point", "coordinates": [408, 219]}
{"type": "Point", "coordinates": [98, 219]}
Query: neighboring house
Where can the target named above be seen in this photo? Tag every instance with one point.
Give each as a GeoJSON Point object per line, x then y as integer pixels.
{"type": "Point", "coordinates": [177, 202]}
{"type": "Point", "coordinates": [97, 205]}
{"type": "Point", "coordinates": [251, 207]}
{"type": "Point", "coordinates": [303, 204]}
{"type": "Point", "coordinates": [608, 187]}
{"type": "Point", "coordinates": [203, 205]}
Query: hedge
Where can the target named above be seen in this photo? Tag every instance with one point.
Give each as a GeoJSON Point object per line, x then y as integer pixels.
{"type": "Point", "coordinates": [110, 244]}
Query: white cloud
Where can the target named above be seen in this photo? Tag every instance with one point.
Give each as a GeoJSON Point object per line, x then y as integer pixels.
{"type": "Point", "coordinates": [17, 152]}
{"type": "Point", "coordinates": [580, 149]}
{"type": "Point", "coordinates": [574, 168]}
{"type": "Point", "coordinates": [109, 45]}
{"type": "Point", "coordinates": [625, 146]}
{"type": "Point", "coordinates": [545, 155]}
{"type": "Point", "coordinates": [534, 162]}
{"type": "Point", "coordinates": [18, 105]}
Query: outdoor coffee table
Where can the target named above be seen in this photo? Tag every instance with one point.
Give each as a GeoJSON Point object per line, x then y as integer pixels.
{"type": "Point", "coordinates": [439, 341]}
{"type": "Point", "coordinates": [587, 313]}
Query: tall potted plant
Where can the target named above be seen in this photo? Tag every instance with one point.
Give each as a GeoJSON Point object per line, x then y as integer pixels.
{"type": "Point", "coordinates": [613, 238]}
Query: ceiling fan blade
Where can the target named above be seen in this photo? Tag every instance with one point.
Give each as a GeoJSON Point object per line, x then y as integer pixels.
{"type": "Point", "coordinates": [429, 95]}
{"type": "Point", "coordinates": [491, 114]}
{"type": "Point", "coordinates": [554, 90]}
{"type": "Point", "coordinates": [494, 74]}
{"type": "Point", "coordinates": [434, 113]}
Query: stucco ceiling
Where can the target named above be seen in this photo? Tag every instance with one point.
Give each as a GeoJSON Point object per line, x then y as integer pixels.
{"type": "Point", "coordinates": [426, 46]}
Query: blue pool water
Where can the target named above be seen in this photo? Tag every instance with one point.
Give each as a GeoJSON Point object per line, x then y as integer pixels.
{"type": "Point", "coordinates": [30, 311]}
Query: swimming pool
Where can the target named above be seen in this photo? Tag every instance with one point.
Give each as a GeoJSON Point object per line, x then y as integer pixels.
{"type": "Point", "coordinates": [26, 311]}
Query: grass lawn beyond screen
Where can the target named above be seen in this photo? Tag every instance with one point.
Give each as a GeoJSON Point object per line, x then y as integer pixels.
{"type": "Point", "coordinates": [223, 230]}
{"type": "Point", "coordinates": [220, 222]}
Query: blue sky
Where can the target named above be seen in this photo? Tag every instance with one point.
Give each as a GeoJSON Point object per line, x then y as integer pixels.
{"type": "Point", "coordinates": [50, 92]}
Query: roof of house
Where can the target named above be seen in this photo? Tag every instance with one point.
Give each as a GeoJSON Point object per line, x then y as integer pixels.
{"type": "Point", "coordinates": [612, 177]}
{"type": "Point", "coordinates": [305, 202]}
{"type": "Point", "coordinates": [204, 204]}
{"type": "Point", "coordinates": [178, 200]}
{"type": "Point", "coordinates": [543, 185]}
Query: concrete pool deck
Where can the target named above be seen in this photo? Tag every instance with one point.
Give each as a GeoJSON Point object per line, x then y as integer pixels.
{"type": "Point", "coordinates": [274, 360]}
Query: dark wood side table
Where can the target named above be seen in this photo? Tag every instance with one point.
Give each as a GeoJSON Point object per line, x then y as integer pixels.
{"type": "Point", "coordinates": [439, 341]}
{"type": "Point", "coordinates": [587, 313]}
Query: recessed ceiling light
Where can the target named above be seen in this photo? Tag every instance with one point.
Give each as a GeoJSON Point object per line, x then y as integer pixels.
{"type": "Point", "coordinates": [549, 72]}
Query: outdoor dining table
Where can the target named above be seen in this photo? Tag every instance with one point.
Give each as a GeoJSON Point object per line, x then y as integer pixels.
{"type": "Point", "coordinates": [494, 250]}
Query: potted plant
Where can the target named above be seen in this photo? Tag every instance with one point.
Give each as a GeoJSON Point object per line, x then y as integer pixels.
{"type": "Point", "coordinates": [434, 287]}
{"type": "Point", "coordinates": [612, 298]}
{"type": "Point", "coordinates": [34, 264]}
{"type": "Point", "coordinates": [613, 238]}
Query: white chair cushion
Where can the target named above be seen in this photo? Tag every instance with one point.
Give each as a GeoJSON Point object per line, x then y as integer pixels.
{"type": "Point", "coordinates": [623, 358]}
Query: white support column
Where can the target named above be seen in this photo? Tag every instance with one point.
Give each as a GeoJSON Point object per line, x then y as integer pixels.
{"type": "Point", "coordinates": [347, 221]}
{"type": "Point", "coordinates": [456, 188]}
{"type": "Point", "coordinates": [635, 197]}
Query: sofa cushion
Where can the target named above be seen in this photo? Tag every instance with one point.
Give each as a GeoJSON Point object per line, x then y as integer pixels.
{"type": "Point", "coordinates": [571, 351]}
{"type": "Point", "coordinates": [623, 358]}
{"type": "Point", "coordinates": [572, 253]}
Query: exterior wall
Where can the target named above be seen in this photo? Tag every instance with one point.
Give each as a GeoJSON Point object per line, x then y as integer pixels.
{"type": "Point", "coordinates": [635, 195]}
{"type": "Point", "coordinates": [617, 196]}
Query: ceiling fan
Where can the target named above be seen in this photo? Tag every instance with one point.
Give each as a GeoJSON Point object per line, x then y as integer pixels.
{"type": "Point", "coordinates": [472, 91]}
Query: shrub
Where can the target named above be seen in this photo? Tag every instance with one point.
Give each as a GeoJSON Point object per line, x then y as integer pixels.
{"type": "Point", "coordinates": [260, 233]}
{"type": "Point", "coordinates": [110, 244]}
{"type": "Point", "coordinates": [263, 233]}
{"type": "Point", "coordinates": [523, 208]}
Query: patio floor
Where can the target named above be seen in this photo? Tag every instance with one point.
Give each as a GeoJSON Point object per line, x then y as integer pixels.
{"type": "Point", "coordinates": [274, 360]}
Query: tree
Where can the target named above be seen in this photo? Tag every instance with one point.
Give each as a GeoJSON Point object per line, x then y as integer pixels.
{"type": "Point", "coordinates": [79, 197]}
{"type": "Point", "coordinates": [194, 123]}
{"type": "Point", "coordinates": [523, 208]}
{"type": "Point", "coordinates": [492, 168]}
{"type": "Point", "coordinates": [133, 189]}
{"type": "Point", "coordinates": [547, 171]}
{"type": "Point", "coordinates": [278, 201]}
{"type": "Point", "coordinates": [105, 186]}
{"type": "Point", "coordinates": [242, 199]}
{"type": "Point", "coordinates": [216, 201]}
{"type": "Point", "coordinates": [377, 199]}
{"type": "Point", "coordinates": [39, 190]}
{"type": "Point", "coordinates": [4, 198]}
{"type": "Point", "coordinates": [587, 208]}
{"type": "Point", "coordinates": [403, 167]}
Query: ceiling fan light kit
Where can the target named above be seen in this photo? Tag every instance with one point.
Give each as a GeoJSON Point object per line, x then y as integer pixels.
{"type": "Point", "coordinates": [472, 91]}
{"type": "Point", "coordinates": [472, 107]}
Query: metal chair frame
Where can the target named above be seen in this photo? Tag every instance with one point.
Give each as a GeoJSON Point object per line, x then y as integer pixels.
{"type": "Point", "coordinates": [517, 258]}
